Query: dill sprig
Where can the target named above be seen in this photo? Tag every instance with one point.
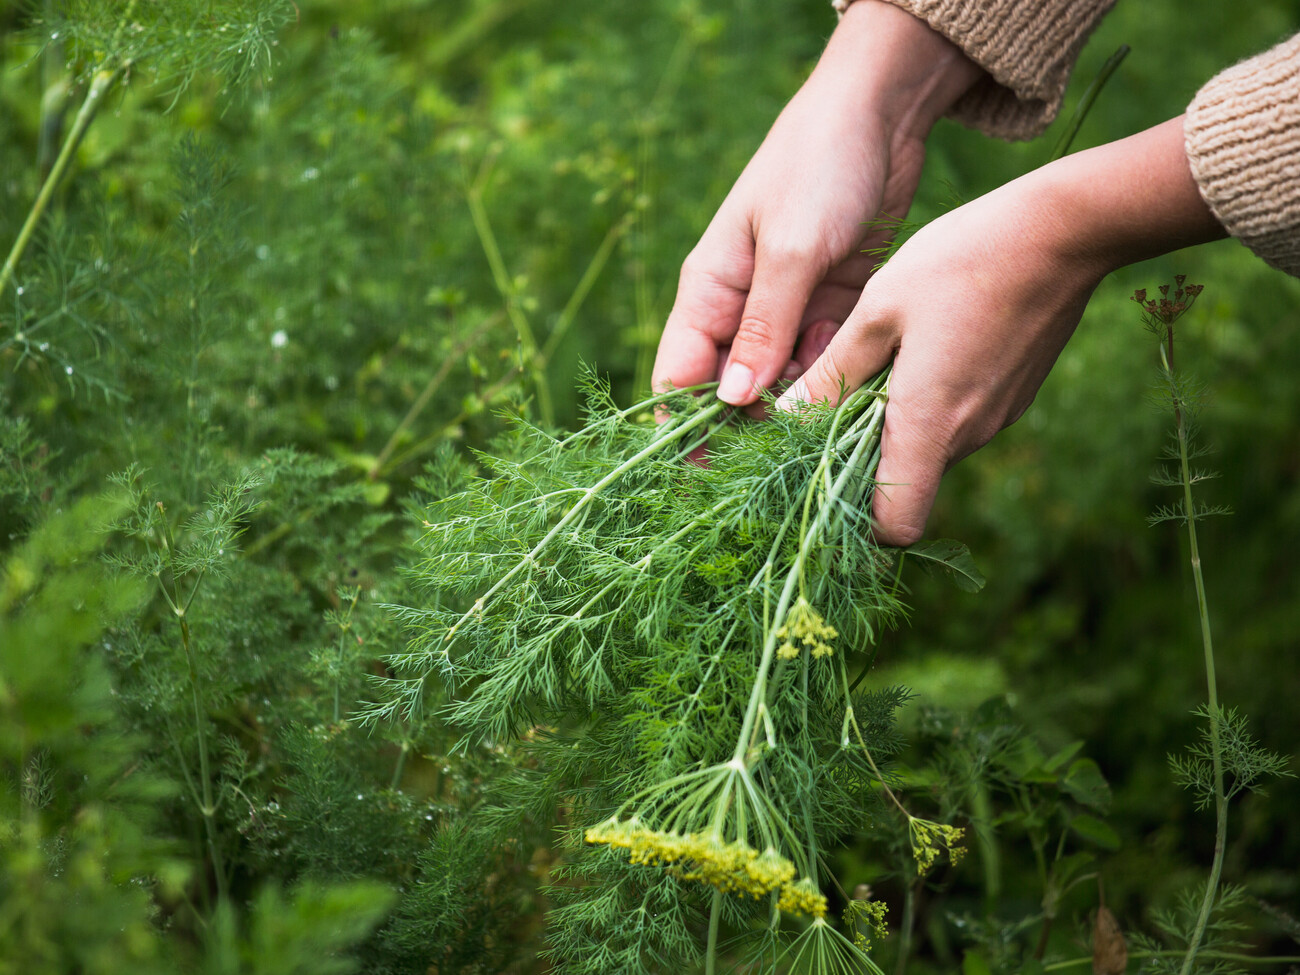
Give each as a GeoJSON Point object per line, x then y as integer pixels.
{"type": "Point", "coordinates": [690, 622]}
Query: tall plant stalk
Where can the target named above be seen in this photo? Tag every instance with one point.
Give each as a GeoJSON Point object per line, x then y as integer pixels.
{"type": "Point", "coordinates": [1207, 645]}
{"type": "Point", "coordinates": [204, 796]}
{"type": "Point", "coordinates": [102, 82]}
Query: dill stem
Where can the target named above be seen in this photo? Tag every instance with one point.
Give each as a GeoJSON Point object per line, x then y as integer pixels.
{"type": "Point", "coordinates": [905, 929]}
{"type": "Point", "coordinates": [810, 534]}
{"type": "Point", "coordinates": [1207, 643]}
{"type": "Point", "coordinates": [100, 86]}
{"type": "Point", "coordinates": [715, 915]}
{"type": "Point", "coordinates": [181, 607]}
{"type": "Point", "coordinates": [400, 766]}
{"type": "Point", "coordinates": [208, 806]}
{"type": "Point", "coordinates": [569, 313]}
{"type": "Point", "coordinates": [534, 359]}
{"type": "Point", "coordinates": [1058, 966]}
{"type": "Point", "coordinates": [432, 386]}
{"type": "Point", "coordinates": [589, 495]}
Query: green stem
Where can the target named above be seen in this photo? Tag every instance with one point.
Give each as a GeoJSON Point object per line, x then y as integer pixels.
{"type": "Point", "coordinates": [811, 534]}
{"type": "Point", "coordinates": [1207, 643]}
{"type": "Point", "coordinates": [1086, 102]}
{"type": "Point", "coordinates": [1058, 966]}
{"type": "Point", "coordinates": [597, 264]}
{"type": "Point", "coordinates": [905, 930]}
{"type": "Point", "coordinates": [534, 360]}
{"type": "Point", "coordinates": [711, 952]}
{"type": "Point", "coordinates": [207, 805]}
{"type": "Point", "coordinates": [400, 766]}
{"type": "Point", "coordinates": [100, 86]}
{"type": "Point", "coordinates": [432, 386]}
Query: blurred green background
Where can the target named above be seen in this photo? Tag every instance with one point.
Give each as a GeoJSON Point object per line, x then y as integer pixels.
{"type": "Point", "coordinates": [430, 213]}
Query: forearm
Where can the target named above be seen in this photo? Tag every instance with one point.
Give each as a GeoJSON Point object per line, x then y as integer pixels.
{"type": "Point", "coordinates": [1123, 202]}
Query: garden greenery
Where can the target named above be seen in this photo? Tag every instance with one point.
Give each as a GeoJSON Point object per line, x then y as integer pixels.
{"type": "Point", "coordinates": [350, 623]}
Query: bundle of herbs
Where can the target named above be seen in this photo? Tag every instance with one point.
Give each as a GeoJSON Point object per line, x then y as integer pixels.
{"type": "Point", "coordinates": [683, 644]}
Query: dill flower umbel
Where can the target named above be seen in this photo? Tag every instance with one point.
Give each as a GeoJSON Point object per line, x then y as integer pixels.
{"type": "Point", "coordinates": [930, 839]}
{"type": "Point", "coordinates": [802, 897]}
{"type": "Point", "coordinates": [804, 627]}
{"type": "Point", "coordinates": [732, 867]}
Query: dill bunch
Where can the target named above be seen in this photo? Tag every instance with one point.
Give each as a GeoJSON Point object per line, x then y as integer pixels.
{"type": "Point", "coordinates": [689, 625]}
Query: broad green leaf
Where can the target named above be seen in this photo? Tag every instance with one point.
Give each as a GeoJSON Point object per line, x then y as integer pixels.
{"type": "Point", "coordinates": [1086, 784]}
{"type": "Point", "coordinates": [1063, 756]}
{"type": "Point", "coordinates": [953, 556]}
{"type": "Point", "coordinates": [1095, 830]}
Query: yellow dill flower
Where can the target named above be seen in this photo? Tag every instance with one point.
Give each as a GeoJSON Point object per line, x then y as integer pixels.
{"type": "Point", "coordinates": [805, 626]}
{"type": "Point", "coordinates": [930, 839]}
{"type": "Point", "coordinates": [732, 867]}
{"type": "Point", "coordinates": [802, 898]}
{"type": "Point", "coordinates": [865, 918]}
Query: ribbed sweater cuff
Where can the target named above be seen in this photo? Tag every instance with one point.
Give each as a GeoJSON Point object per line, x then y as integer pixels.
{"type": "Point", "coordinates": [1243, 142]}
{"type": "Point", "coordinates": [1027, 47]}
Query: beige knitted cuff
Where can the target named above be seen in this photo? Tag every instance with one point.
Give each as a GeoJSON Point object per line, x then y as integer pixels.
{"type": "Point", "coordinates": [1242, 132]}
{"type": "Point", "coordinates": [1027, 48]}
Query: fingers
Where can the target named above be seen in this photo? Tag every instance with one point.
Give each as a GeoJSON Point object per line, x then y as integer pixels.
{"type": "Point", "coordinates": [914, 451]}
{"type": "Point", "coordinates": [852, 355]}
{"type": "Point", "coordinates": [913, 459]}
{"type": "Point", "coordinates": [697, 331]}
{"type": "Point", "coordinates": [769, 326]}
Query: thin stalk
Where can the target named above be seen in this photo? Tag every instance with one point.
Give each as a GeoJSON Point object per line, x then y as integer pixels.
{"type": "Point", "coordinates": [711, 951]}
{"type": "Point", "coordinates": [207, 805]}
{"type": "Point", "coordinates": [100, 86]}
{"type": "Point", "coordinates": [432, 386]}
{"type": "Point", "coordinates": [345, 625]}
{"type": "Point", "coordinates": [1086, 102]}
{"type": "Point", "coordinates": [905, 930]}
{"type": "Point", "coordinates": [400, 766]}
{"type": "Point", "coordinates": [534, 361]}
{"type": "Point", "coordinates": [810, 533]}
{"type": "Point", "coordinates": [1060, 966]}
{"type": "Point", "coordinates": [1207, 644]}
{"type": "Point", "coordinates": [569, 313]}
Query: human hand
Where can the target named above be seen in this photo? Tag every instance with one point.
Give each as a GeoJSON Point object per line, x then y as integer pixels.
{"type": "Point", "coordinates": [781, 263]}
{"type": "Point", "coordinates": [976, 306]}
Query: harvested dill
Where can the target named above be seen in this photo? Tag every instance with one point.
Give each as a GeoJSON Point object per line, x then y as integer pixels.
{"type": "Point", "coordinates": [686, 629]}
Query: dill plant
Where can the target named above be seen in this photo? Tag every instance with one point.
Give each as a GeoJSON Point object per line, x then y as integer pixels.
{"type": "Point", "coordinates": [687, 631]}
{"type": "Point", "coordinates": [1227, 760]}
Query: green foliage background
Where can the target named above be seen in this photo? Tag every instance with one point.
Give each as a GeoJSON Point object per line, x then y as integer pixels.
{"type": "Point", "coordinates": [289, 303]}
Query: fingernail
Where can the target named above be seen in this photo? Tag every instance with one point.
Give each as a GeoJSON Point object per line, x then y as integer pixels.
{"type": "Point", "coordinates": [737, 386]}
{"type": "Point", "coordinates": [793, 397]}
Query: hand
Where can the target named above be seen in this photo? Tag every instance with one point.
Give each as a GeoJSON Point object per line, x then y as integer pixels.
{"type": "Point", "coordinates": [975, 308]}
{"type": "Point", "coordinates": [784, 252]}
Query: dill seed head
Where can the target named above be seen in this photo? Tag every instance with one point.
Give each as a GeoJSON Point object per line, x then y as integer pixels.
{"type": "Point", "coordinates": [802, 897]}
{"type": "Point", "coordinates": [732, 867]}
{"type": "Point", "coordinates": [805, 626]}
{"type": "Point", "coordinates": [929, 839]}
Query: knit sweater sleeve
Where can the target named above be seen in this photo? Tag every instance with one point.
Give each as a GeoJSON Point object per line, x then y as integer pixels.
{"type": "Point", "coordinates": [1242, 132]}
{"type": "Point", "coordinates": [1026, 47]}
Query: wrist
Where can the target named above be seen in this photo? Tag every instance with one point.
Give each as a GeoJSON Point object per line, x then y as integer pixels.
{"type": "Point", "coordinates": [895, 67]}
{"type": "Point", "coordinates": [1126, 201]}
